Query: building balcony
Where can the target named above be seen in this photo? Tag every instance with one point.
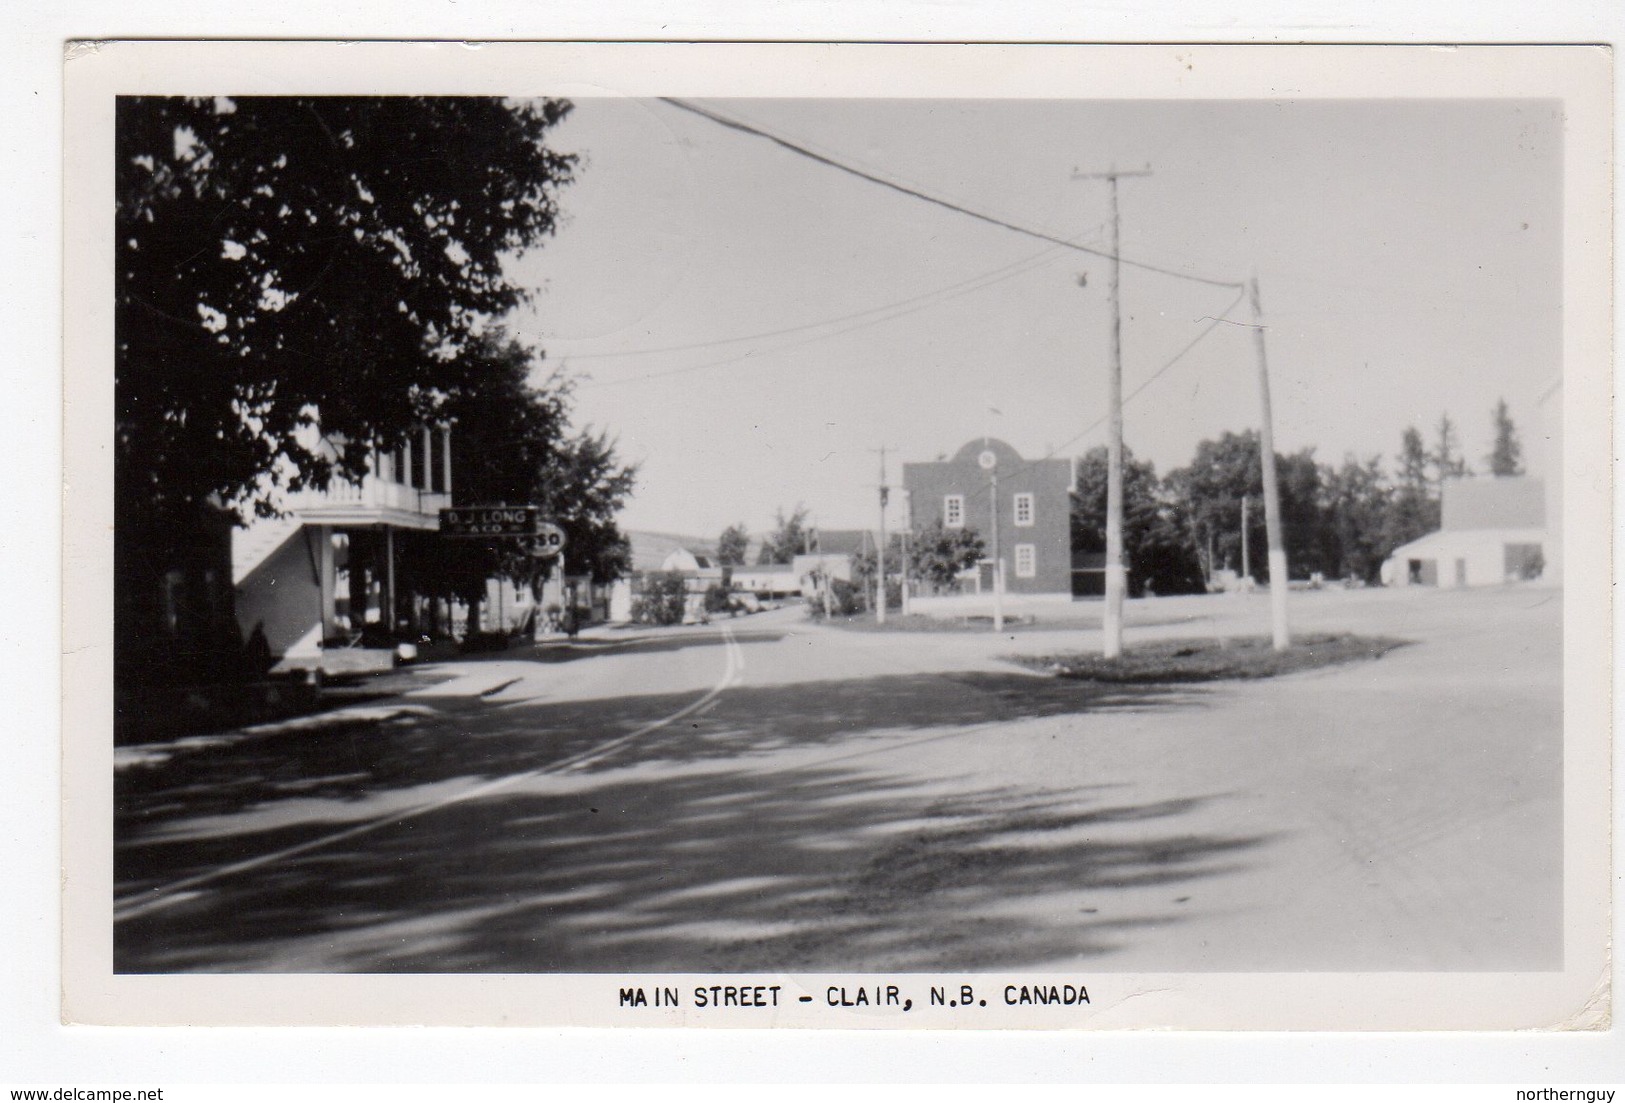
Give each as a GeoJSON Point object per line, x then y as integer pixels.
{"type": "Point", "coordinates": [374, 501]}
{"type": "Point", "coordinates": [404, 487]}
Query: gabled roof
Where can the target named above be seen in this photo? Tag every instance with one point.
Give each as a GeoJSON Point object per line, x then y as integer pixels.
{"type": "Point", "coordinates": [650, 549]}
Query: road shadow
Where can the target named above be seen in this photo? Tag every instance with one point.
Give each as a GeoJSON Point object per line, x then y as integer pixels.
{"type": "Point", "coordinates": [472, 740]}
{"type": "Point", "coordinates": [696, 846]}
{"type": "Point", "coordinates": [727, 869]}
{"type": "Point", "coordinates": [565, 650]}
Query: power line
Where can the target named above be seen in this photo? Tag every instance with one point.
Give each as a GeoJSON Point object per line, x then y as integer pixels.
{"type": "Point", "coordinates": [841, 166]}
{"type": "Point", "coordinates": [977, 283]}
{"type": "Point", "coordinates": [1213, 323]}
{"type": "Point", "coordinates": [972, 283]}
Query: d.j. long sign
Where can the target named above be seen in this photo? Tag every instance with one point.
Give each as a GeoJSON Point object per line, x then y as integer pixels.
{"type": "Point", "coordinates": [490, 521]}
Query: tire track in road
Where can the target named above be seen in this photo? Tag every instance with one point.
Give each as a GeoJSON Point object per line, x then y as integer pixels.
{"type": "Point", "coordinates": [179, 891]}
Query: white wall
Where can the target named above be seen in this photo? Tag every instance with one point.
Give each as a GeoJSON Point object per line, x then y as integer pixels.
{"type": "Point", "coordinates": [1482, 552]}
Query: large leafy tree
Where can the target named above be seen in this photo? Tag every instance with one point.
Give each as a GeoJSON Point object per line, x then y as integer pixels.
{"type": "Point", "coordinates": [732, 545]}
{"type": "Point", "coordinates": [1357, 501]}
{"type": "Point", "coordinates": [513, 445]}
{"type": "Point", "coordinates": [291, 264]}
{"type": "Point", "coordinates": [937, 553]}
{"type": "Point", "coordinates": [582, 488]}
{"type": "Point", "coordinates": [1224, 472]}
{"type": "Point", "coordinates": [1157, 552]}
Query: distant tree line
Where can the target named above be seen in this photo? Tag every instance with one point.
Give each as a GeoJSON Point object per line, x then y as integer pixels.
{"type": "Point", "coordinates": [1339, 521]}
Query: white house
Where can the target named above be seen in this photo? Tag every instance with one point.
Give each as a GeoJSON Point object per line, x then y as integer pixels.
{"type": "Point", "coordinates": [327, 568]}
{"type": "Point", "coordinates": [768, 580]}
{"type": "Point", "coordinates": [1492, 530]}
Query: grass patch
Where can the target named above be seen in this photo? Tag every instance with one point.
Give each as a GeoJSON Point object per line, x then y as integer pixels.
{"type": "Point", "coordinates": [1214, 660]}
{"type": "Point", "coordinates": [916, 622]}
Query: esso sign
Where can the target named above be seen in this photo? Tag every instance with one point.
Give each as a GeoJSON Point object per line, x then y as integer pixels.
{"type": "Point", "coordinates": [547, 542]}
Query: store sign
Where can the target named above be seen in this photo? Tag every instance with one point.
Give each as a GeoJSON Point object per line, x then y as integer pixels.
{"type": "Point", "coordinates": [548, 541]}
{"type": "Point", "coordinates": [485, 521]}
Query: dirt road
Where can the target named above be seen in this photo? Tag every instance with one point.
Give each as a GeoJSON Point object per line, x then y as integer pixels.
{"type": "Point", "coordinates": [766, 794]}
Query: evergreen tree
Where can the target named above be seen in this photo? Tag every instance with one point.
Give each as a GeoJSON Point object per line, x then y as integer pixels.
{"type": "Point", "coordinates": [1413, 510]}
{"type": "Point", "coordinates": [1507, 456]}
{"type": "Point", "coordinates": [1446, 459]}
{"type": "Point", "coordinates": [790, 537]}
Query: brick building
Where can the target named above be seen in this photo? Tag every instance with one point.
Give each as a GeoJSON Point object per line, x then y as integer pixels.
{"type": "Point", "coordinates": [1033, 505]}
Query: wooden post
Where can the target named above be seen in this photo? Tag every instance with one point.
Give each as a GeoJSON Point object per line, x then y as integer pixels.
{"type": "Point", "coordinates": [1272, 497]}
{"type": "Point", "coordinates": [1116, 575]}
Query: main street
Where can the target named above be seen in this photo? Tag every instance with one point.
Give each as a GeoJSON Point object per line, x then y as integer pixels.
{"type": "Point", "coordinates": [769, 794]}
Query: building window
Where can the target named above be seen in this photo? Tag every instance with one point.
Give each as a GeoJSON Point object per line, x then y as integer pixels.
{"type": "Point", "coordinates": [1026, 561]}
{"type": "Point", "coordinates": [1024, 510]}
{"type": "Point", "coordinates": [420, 465]}
{"type": "Point", "coordinates": [953, 511]}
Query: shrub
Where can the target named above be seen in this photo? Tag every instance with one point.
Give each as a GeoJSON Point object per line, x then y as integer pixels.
{"type": "Point", "coordinates": [662, 600]}
{"type": "Point", "coordinates": [846, 599]}
{"type": "Point", "coordinates": [717, 599]}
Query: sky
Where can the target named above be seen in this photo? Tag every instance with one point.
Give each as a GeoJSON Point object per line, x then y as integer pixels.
{"type": "Point", "coordinates": [753, 325]}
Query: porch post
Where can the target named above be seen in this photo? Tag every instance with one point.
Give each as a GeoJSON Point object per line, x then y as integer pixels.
{"type": "Point", "coordinates": [326, 583]}
{"type": "Point", "coordinates": [445, 456]}
{"type": "Point", "coordinates": [389, 579]}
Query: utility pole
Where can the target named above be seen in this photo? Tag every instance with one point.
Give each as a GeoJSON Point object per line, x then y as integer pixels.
{"type": "Point", "coordinates": [1246, 555]}
{"type": "Point", "coordinates": [1272, 495]}
{"type": "Point", "coordinates": [1116, 577]}
{"type": "Point", "coordinates": [880, 550]}
{"type": "Point", "coordinates": [907, 570]}
{"type": "Point", "coordinates": [907, 567]}
{"type": "Point", "coordinates": [998, 558]}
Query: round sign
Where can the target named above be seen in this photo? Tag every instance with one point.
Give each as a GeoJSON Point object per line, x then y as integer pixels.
{"type": "Point", "coordinates": [548, 541]}
{"type": "Point", "coordinates": [988, 460]}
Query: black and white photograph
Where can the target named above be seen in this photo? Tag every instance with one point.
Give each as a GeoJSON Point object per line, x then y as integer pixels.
{"type": "Point", "coordinates": [894, 537]}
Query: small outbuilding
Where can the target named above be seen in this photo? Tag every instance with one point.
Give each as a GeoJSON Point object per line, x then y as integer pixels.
{"type": "Point", "coordinates": [1493, 530]}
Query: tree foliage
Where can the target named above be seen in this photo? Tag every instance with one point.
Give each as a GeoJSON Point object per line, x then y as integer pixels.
{"type": "Point", "coordinates": [1211, 490]}
{"type": "Point", "coordinates": [1506, 458]}
{"type": "Point", "coordinates": [732, 545]}
{"type": "Point", "coordinates": [1413, 509]}
{"type": "Point", "coordinates": [662, 600]}
{"type": "Point", "coordinates": [292, 263]}
{"type": "Point", "coordinates": [866, 569]}
{"type": "Point", "coordinates": [1342, 522]}
{"type": "Point", "coordinates": [512, 444]}
{"type": "Point", "coordinates": [937, 553]}
{"type": "Point", "coordinates": [847, 599]}
{"type": "Point", "coordinates": [1413, 461]}
{"type": "Point", "coordinates": [791, 536]}
{"type": "Point", "coordinates": [1157, 552]}
{"type": "Point", "coordinates": [1445, 457]}
{"type": "Point", "coordinates": [1357, 502]}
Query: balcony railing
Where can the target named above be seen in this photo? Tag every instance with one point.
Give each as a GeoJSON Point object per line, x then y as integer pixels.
{"type": "Point", "coordinates": [371, 494]}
